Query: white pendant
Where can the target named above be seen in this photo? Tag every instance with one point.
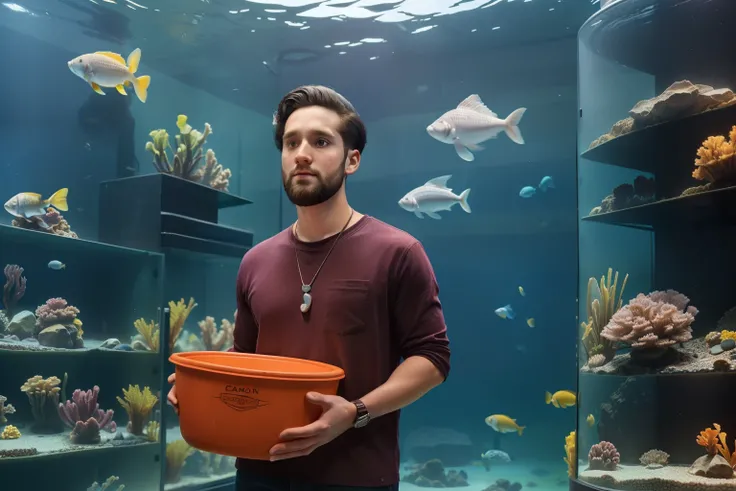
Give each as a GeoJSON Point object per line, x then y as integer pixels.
{"type": "Point", "coordinates": [306, 303]}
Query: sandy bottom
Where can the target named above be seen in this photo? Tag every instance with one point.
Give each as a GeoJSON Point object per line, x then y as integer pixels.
{"type": "Point", "coordinates": [531, 474]}
{"type": "Point", "coordinates": [670, 478]}
{"type": "Point", "coordinates": [59, 443]}
{"type": "Point", "coordinates": [12, 345]}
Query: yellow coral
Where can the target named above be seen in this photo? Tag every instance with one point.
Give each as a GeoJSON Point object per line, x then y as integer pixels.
{"type": "Point", "coordinates": [152, 431]}
{"type": "Point", "coordinates": [177, 453]}
{"type": "Point", "coordinates": [599, 312]}
{"type": "Point", "coordinates": [571, 454]}
{"type": "Point", "coordinates": [728, 335]}
{"type": "Point", "coordinates": [10, 433]}
{"type": "Point", "coordinates": [178, 313]}
{"type": "Point", "coordinates": [716, 160]}
{"type": "Point", "coordinates": [78, 324]}
{"type": "Point", "coordinates": [138, 405]}
{"type": "Point", "coordinates": [149, 332]}
{"type": "Point", "coordinates": [708, 438]}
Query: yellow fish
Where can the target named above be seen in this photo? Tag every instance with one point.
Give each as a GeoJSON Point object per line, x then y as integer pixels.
{"type": "Point", "coordinates": [522, 292]}
{"type": "Point", "coordinates": [503, 424]}
{"type": "Point", "coordinates": [108, 69]}
{"type": "Point", "coordinates": [561, 398]}
{"type": "Point", "coordinates": [591, 420]}
{"type": "Point", "coordinates": [28, 205]}
{"type": "Point", "coordinates": [531, 322]}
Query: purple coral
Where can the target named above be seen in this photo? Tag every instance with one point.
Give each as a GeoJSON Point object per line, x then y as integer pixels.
{"type": "Point", "coordinates": [55, 311]}
{"type": "Point", "coordinates": [14, 288]}
{"type": "Point", "coordinates": [657, 320]}
{"type": "Point", "coordinates": [603, 456]}
{"type": "Point", "coordinates": [85, 416]}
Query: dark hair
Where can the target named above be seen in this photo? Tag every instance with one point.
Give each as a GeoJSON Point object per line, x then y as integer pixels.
{"type": "Point", "coordinates": [352, 129]}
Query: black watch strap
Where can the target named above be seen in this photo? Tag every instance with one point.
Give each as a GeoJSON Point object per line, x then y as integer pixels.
{"type": "Point", "coordinates": [362, 416]}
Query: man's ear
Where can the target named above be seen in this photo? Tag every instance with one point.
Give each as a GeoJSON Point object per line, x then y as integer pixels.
{"type": "Point", "coordinates": [352, 162]}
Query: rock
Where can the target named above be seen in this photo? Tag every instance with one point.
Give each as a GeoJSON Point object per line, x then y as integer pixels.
{"type": "Point", "coordinates": [23, 324]}
{"type": "Point", "coordinates": [721, 365]}
{"type": "Point", "coordinates": [654, 466]}
{"type": "Point", "coordinates": [716, 350]}
{"type": "Point", "coordinates": [728, 344]}
{"type": "Point", "coordinates": [60, 336]}
{"type": "Point", "coordinates": [110, 343]}
{"type": "Point", "coordinates": [123, 347]}
{"type": "Point", "coordinates": [13, 338]}
{"type": "Point", "coordinates": [679, 100]}
{"type": "Point", "coordinates": [714, 466]}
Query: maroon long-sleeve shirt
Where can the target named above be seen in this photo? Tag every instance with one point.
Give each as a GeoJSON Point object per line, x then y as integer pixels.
{"type": "Point", "coordinates": [375, 301]}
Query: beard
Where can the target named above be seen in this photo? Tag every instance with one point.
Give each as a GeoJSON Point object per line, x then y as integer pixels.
{"type": "Point", "coordinates": [318, 190]}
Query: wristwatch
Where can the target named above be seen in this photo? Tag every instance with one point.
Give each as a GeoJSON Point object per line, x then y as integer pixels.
{"type": "Point", "coordinates": [362, 416]}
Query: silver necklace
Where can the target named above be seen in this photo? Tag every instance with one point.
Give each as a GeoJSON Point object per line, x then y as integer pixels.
{"type": "Point", "coordinates": [307, 287]}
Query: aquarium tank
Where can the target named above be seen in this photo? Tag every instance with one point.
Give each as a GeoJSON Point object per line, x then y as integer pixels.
{"type": "Point", "coordinates": [138, 167]}
{"type": "Point", "coordinates": [656, 143]}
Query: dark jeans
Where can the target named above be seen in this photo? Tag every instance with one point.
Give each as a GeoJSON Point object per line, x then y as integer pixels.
{"type": "Point", "coordinates": [245, 481]}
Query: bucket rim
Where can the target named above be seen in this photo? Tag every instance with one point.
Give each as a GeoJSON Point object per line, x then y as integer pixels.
{"type": "Point", "coordinates": [189, 360]}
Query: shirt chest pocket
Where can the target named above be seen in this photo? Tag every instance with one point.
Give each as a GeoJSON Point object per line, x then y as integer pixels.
{"type": "Point", "coordinates": [349, 307]}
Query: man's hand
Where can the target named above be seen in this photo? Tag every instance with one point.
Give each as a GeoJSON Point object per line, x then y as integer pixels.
{"type": "Point", "coordinates": [337, 417]}
{"type": "Point", "coordinates": [173, 401]}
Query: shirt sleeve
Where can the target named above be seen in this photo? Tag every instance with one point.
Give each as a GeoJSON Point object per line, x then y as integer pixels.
{"type": "Point", "coordinates": [245, 333]}
{"type": "Point", "coordinates": [419, 323]}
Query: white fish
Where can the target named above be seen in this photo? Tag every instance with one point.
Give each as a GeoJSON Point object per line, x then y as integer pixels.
{"type": "Point", "coordinates": [527, 191]}
{"type": "Point", "coordinates": [506, 312]}
{"type": "Point", "coordinates": [472, 123]}
{"type": "Point", "coordinates": [546, 183]}
{"type": "Point", "coordinates": [108, 69]}
{"type": "Point", "coordinates": [434, 196]}
{"type": "Point", "coordinates": [497, 455]}
{"type": "Point", "coordinates": [28, 205]}
{"type": "Point", "coordinates": [56, 265]}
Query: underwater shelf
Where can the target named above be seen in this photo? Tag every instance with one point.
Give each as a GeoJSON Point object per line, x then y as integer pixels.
{"type": "Point", "coordinates": [60, 244]}
{"type": "Point", "coordinates": [706, 207]}
{"type": "Point", "coordinates": [58, 446]}
{"type": "Point", "coordinates": [655, 147]}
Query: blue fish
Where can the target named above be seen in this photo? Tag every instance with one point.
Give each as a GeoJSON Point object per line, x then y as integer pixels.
{"type": "Point", "coordinates": [527, 191]}
{"type": "Point", "coordinates": [506, 312]}
{"type": "Point", "coordinates": [56, 265]}
{"type": "Point", "coordinates": [546, 183]}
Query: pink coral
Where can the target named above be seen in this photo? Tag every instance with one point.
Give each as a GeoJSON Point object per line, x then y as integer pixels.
{"type": "Point", "coordinates": [14, 288]}
{"type": "Point", "coordinates": [55, 311]}
{"type": "Point", "coordinates": [657, 320]}
{"type": "Point", "coordinates": [85, 416]}
{"type": "Point", "coordinates": [603, 456]}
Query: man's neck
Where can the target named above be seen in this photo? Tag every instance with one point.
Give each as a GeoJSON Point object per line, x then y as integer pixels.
{"type": "Point", "coordinates": [324, 220]}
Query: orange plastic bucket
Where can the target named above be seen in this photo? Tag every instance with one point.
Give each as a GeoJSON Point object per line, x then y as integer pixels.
{"type": "Point", "coordinates": [237, 404]}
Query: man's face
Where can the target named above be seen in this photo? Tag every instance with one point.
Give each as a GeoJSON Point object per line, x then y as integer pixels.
{"type": "Point", "coordinates": [313, 158]}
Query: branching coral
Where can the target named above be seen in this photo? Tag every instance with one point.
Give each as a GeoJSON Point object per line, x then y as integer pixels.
{"type": "Point", "coordinates": [603, 456]}
{"type": "Point", "coordinates": [214, 339]}
{"type": "Point", "coordinates": [43, 394]}
{"type": "Point", "coordinates": [715, 160]}
{"type": "Point", "coordinates": [148, 334]}
{"type": "Point", "coordinates": [5, 409]}
{"type": "Point", "coordinates": [177, 453]}
{"type": "Point", "coordinates": [107, 485]}
{"type": "Point", "coordinates": [188, 156]}
{"type": "Point", "coordinates": [657, 320]}
{"type": "Point", "coordinates": [85, 416]}
{"type": "Point", "coordinates": [153, 429]}
{"type": "Point", "coordinates": [55, 311]}
{"type": "Point", "coordinates": [138, 405]}
{"type": "Point", "coordinates": [601, 305]}
{"type": "Point", "coordinates": [52, 222]}
{"type": "Point", "coordinates": [571, 455]}
{"type": "Point", "coordinates": [14, 288]}
{"type": "Point", "coordinates": [178, 314]}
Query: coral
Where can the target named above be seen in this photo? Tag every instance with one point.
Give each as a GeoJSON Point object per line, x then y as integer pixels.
{"type": "Point", "coordinates": [5, 409]}
{"type": "Point", "coordinates": [178, 313]}
{"type": "Point", "coordinates": [188, 156]}
{"type": "Point", "coordinates": [177, 453]}
{"type": "Point", "coordinates": [138, 405]}
{"type": "Point", "coordinates": [627, 195]}
{"type": "Point", "coordinates": [432, 474]}
{"type": "Point", "coordinates": [214, 339]}
{"type": "Point", "coordinates": [603, 456]}
{"type": "Point", "coordinates": [149, 336]}
{"type": "Point", "coordinates": [709, 438]}
{"type": "Point", "coordinates": [571, 455]}
{"type": "Point", "coordinates": [153, 429]}
{"type": "Point", "coordinates": [84, 415]}
{"type": "Point", "coordinates": [657, 320]}
{"type": "Point", "coordinates": [55, 311]}
{"type": "Point", "coordinates": [727, 335]}
{"type": "Point", "coordinates": [713, 338]}
{"type": "Point", "coordinates": [107, 485]}
{"type": "Point", "coordinates": [599, 312]}
{"type": "Point", "coordinates": [43, 394]}
{"type": "Point", "coordinates": [14, 288]}
{"type": "Point", "coordinates": [715, 160]}
{"type": "Point", "coordinates": [654, 456]}
{"type": "Point", "coordinates": [52, 222]}
{"type": "Point", "coordinates": [596, 361]}
{"type": "Point", "coordinates": [10, 433]}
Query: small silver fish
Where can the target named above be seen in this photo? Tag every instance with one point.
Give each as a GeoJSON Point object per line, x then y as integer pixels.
{"type": "Point", "coordinates": [506, 312]}
{"type": "Point", "coordinates": [56, 265]}
{"type": "Point", "coordinates": [29, 205]}
{"type": "Point", "coordinates": [527, 192]}
{"type": "Point", "coordinates": [434, 196]}
{"type": "Point", "coordinates": [546, 183]}
{"type": "Point", "coordinates": [472, 123]}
